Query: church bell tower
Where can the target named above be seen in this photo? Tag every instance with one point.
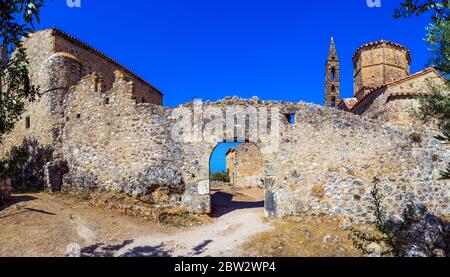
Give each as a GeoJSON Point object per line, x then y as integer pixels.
{"type": "Point", "coordinates": [332, 81]}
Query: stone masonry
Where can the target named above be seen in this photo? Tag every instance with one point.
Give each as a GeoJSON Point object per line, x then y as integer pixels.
{"type": "Point", "coordinates": [58, 61]}
{"type": "Point", "coordinates": [245, 166]}
{"type": "Point", "coordinates": [379, 63]}
{"type": "Point", "coordinates": [5, 189]}
{"type": "Point", "coordinates": [322, 162]}
{"type": "Point", "coordinates": [384, 89]}
{"type": "Point", "coordinates": [332, 78]}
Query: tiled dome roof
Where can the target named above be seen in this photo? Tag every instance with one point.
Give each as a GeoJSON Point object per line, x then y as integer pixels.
{"type": "Point", "coordinates": [381, 42]}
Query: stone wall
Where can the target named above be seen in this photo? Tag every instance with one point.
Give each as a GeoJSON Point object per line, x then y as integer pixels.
{"type": "Point", "coordinates": [245, 164]}
{"type": "Point", "coordinates": [58, 61]}
{"type": "Point", "coordinates": [332, 159]}
{"type": "Point", "coordinates": [324, 163]}
{"type": "Point", "coordinates": [43, 112]}
{"type": "Point", "coordinates": [230, 163]}
{"type": "Point", "coordinates": [117, 144]}
{"type": "Point", "coordinates": [5, 190]}
{"type": "Point", "coordinates": [93, 61]}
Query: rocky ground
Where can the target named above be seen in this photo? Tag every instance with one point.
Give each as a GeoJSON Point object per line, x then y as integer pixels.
{"type": "Point", "coordinates": [303, 237]}
{"type": "Point", "coordinates": [45, 225]}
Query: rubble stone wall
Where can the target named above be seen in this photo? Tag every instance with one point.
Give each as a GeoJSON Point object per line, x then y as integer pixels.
{"type": "Point", "coordinates": [324, 163]}
{"type": "Point", "coordinates": [58, 61]}
{"type": "Point", "coordinates": [330, 159]}
{"type": "Point", "coordinates": [248, 163]}
{"type": "Point", "coordinates": [5, 190]}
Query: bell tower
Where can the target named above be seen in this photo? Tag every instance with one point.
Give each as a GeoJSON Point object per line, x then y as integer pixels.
{"type": "Point", "coordinates": [332, 75]}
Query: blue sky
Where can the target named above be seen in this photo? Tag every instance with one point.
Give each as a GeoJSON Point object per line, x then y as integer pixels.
{"type": "Point", "coordinates": [217, 161]}
{"type": "Point", "coordinates": [217, 48]}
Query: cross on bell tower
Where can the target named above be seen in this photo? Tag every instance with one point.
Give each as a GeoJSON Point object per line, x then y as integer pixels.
{"type": "Point", "coordinates": [332, 75]}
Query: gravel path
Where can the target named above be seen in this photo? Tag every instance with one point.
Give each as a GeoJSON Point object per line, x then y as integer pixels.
{"type": "Point", "coordinates": [44, 225]}
{"type": "Point", "coordinates": [236, 219]}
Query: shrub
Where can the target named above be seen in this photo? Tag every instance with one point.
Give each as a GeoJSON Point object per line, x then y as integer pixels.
{"type": "Point", "coordinates": [223, 177]}
{"type": "Point", "coordinates": [417, 234]}
{"type": "Point", "coordinates": [25, 165]}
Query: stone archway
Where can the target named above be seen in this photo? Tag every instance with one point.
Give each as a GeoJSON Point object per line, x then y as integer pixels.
{"type": "Point", "coordinates": [245, 186]}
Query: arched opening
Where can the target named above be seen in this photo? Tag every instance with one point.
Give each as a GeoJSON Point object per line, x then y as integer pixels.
{"type": "Point", "coordinates": [333, 102]}
{"type": "Point", "coordinates": [333, 74]}
{"type": "Point", "coordinates": [236, 178]}
{"type": "Point", "coordinates": [333, 88]}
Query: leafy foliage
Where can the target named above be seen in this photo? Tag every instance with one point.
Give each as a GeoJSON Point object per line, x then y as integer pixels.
{"type": "Point", "coordinates": [436, 105]}
{"type": "Point", "coordinates": [438, 33]}
{"type": "Point", "coordinates": [223, 177]}
{"type": "Point", "coordinates": [418, 7]}
{"type": "Point", "coordinates": [438, 39]}
{"type": "Point", "coordinates": [13, 164]}
{"type": "Point", "coordinates": [16, 21]}
{"type": "Point", "coordinates": [17, 91]}
{"type": "Point", "coordinates": [25, 165]}
{"type": "Point", "coordinates": [445, 174]}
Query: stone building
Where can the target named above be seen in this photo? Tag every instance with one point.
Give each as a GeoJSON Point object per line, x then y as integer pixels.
{"type": "Point", "coordinates": [245, 166]}
{"type": "Point", "coordinates": [105, 137]}
{"type": "Point", "coordinates": [384, 89]}
{"type": "Point", "coordinates": [332, 78]}
{"type": "Point", "coordinates": [58, 61]}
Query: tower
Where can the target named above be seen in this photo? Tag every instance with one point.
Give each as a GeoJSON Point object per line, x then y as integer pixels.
{"type": "Point", "coordinates": [332, 75]}
{"type": "Point", "coordinates": [378, 63]}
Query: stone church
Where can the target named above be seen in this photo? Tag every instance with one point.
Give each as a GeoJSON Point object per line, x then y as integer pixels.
{"type": "Point", "coordinates": [384, 88]}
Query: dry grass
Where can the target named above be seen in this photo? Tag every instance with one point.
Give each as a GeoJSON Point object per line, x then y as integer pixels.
{"type": "Point", "coordinates": [40, 224]}
{"type": "Point", "coordinates": [221, 187]}
{"type": "Point", "coordinates": [303, 237]}
{"type": "Point", "coordinates": [130, 206]}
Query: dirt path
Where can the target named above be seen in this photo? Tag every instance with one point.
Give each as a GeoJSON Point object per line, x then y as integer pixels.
{"type": "Point", "coordinates": [44, 225]}
{"type": "Point", "coordinates": [236, 220]}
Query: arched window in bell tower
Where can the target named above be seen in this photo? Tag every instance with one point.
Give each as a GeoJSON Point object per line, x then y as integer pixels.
{"type": "Point", "coordinates": [333, 74]}
{"type": "Point", "coordinates": [333, 102]}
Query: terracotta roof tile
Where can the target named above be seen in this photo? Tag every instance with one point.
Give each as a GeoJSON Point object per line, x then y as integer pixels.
{"type": "Point", "coordinates": [422, 72]}
{"type": "Point", "coordinates": [350, 102]}
{"type": "Point", "coordinates": [380, 42]}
